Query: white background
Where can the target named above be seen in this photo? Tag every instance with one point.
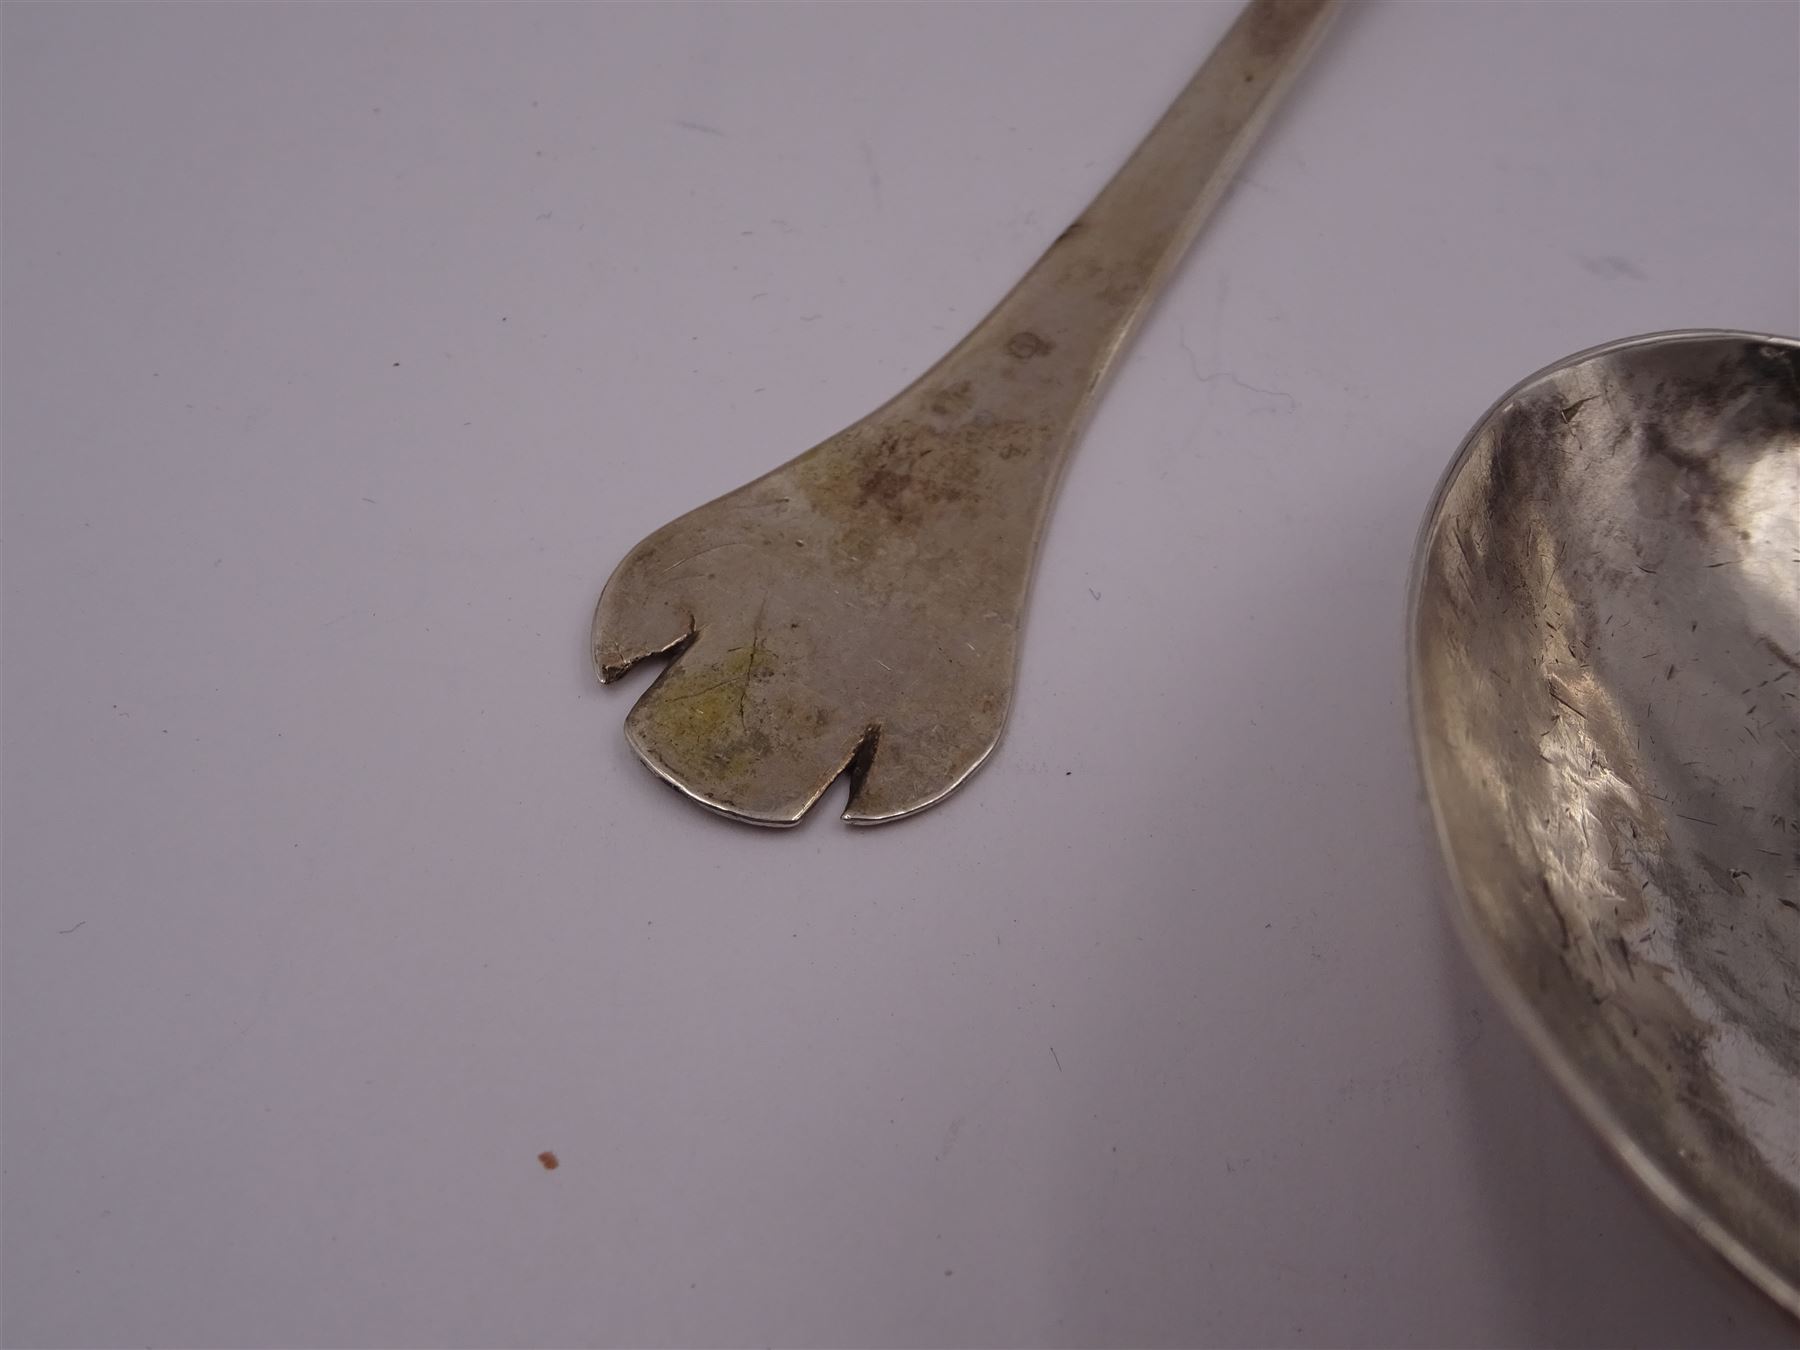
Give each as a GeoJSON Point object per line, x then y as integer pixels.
{"type": "Point", "coordinates": [346, 349]}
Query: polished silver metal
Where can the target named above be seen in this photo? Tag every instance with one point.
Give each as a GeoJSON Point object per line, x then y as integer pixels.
{"type": "Point", "coordinates": [859, 608]}
{"type": "Point", "coordinates": [1605, 669]}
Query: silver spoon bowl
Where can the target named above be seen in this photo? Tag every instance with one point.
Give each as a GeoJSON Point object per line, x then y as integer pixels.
{"type": "Point", "coordinates": [1605, 667]}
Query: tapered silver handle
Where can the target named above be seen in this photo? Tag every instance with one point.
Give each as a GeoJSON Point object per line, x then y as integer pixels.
{"type": "Point", "coordinates": [1051, 342]}
{"type": "Point", "coordinates": [860, 606]}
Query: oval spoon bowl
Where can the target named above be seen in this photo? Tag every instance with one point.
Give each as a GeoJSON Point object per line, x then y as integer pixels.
{"type": "Point", "coordinates": [1605, 670]}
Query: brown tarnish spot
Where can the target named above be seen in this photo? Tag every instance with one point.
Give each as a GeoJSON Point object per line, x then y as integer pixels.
{"type": "Point", "coordinates": [953, 400]}
{"type": "Point", "coordinates": [550, 1161]}
{"type": "Point", "coordinates": [900, 471]}
{"type": "Point", "coordinates": [1081, 271]}
{"type": "Point", "coordinates": [1026, 344]}
{"type": "Point", "coordinates": [881, 491]}
{"type": "Point", "coordinates": [888, 488]}
{"type": "Point", "coordinates": [1122, 291]}
{"type": "Point", "coordinates": [1268, 28]}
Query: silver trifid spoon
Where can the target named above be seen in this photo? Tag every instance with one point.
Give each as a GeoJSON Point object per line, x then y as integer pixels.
{"type": "Point", "coordinates": [859, 608]}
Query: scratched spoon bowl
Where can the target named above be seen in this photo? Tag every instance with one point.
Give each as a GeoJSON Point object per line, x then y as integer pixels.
{"type": "Point", "coordinates": [1605, 667]}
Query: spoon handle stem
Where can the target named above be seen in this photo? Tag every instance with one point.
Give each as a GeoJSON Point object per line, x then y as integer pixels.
{"type": "Point", "coordinates": [1050, 343]}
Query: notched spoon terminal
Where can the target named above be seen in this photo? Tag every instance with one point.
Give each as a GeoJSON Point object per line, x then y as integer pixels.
{"type": "Point", "coordinates": [858, 609]}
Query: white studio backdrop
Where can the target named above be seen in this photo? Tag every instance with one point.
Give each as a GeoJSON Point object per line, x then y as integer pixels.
{"type": "Point", "coordinates": [347, 347]}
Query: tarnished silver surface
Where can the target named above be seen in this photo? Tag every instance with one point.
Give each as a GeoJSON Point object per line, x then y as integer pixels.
{"type": "Point", "coordinates": [860, 606]}
{"type": "Point", "coordinates": [1605, 676]}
